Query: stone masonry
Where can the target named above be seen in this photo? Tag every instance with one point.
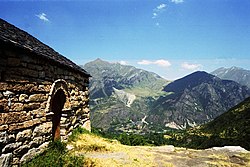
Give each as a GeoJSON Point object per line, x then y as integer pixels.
{"type": "Point", "coordinates": [34, 82]}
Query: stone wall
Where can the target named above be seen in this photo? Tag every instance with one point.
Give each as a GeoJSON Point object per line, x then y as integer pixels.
{"type": "Point", "coordinates": [27, 86]}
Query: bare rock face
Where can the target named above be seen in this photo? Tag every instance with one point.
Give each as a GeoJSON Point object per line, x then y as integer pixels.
{"type": "Point", "coordinates": [126, 98]}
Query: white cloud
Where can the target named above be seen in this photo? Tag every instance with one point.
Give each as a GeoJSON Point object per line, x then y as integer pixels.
{"type": "Point", "coordinates": [159, 9]}
{"type": "Point", "coordinates": [161, 6]}
{"type": "Point", "coordinates": [122, 62]}
{"type": "Point", "coordinates": [154, 15]}
{"type": "Point", "coordinates": [189, 66]}
{"type": "Point", "coordinates": [177, 1]}
{"type": "Point", "coordinates": [43, 17]}
{"type": "Point", "coordinates": [163, 63]}
{"type": "Point", "coordinates": [157, 24]}
{"type": "Point", "coordinates": [160, 62]}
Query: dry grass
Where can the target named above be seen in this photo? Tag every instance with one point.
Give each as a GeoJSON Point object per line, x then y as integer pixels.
{"type": "Point", "coordinates": [102, 152]}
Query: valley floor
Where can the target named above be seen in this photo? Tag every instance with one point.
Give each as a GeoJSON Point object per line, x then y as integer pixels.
{"type": "Point", "coordinates": [102, 152]}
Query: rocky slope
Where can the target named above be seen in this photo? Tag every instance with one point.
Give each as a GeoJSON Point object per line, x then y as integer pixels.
{"type": "Point", "coordinates": [237, 74]}
{"type": "Point", "coordinates": [196, 99]}
{"type": "Point", "coordinates": [106, 76]}
{"type": "Point", "coordinates": [121, 94]}
{"type": "Point", "coordinates": [231, 128]}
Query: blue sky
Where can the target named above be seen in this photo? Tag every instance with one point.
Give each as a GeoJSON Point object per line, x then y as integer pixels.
{"type": "Point", "coordinates": [170, 37]}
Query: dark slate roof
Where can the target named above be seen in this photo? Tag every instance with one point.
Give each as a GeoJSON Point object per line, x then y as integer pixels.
{"type": "Point", "coordinates": [13, 35]}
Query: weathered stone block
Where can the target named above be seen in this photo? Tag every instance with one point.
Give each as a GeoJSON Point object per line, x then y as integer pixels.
{"type": "Point", "coordinates": [10, 147]}
{"type": "Point", "coordinates": [21, 150]}
{"type": "Point", "coordinates": [76, 125]}
{"type": "Point", "coordinates": [33, 152]}
{"type": "Point", "coordinates": [63, 120]}
{"type": "Point", "coordinates": [66, 125]}
{"type": "Point", "coordinates": [4, 103]}
{"type": "Point", "coordinates": [36, 141]}
{"type": "Point", "coordinates": [42, 129]}
{"type": "Point", "coordinates": [31, 106]}
{"type": "Point", "coordinates": [26, 124]}
{"type": "Point", "coordinates": [15, 162]}
{"type": "Point", "coordinates": [11, 138]}
{"type": "Point", "coordinates": [79, 111]}
{"type": "Point", "coordinates": [67, 105]}
{"type": "Point", "coordinates": [43, 105]}
{"type": "Point", "coordinates": [22, 87]}
{"type": "Point", "coordinates": [3, 86]}
{"type": "Point", "coordinates": [37, 98]}
{"type": "Point", "coordinates": [38, 113]}
{"type": "Point", "coordinates": [14, 117]}
{"type": "Point", "coordinates": [87, 125]}
{"type": "Point", "coordinates": [45, 88]}
{"type": "Point", "coordinates": [63, 132]}
{"type": "Point", "coordinates": [23, 97]}
{"type": "Point", "coordinates": [6, 159]}
{"type": "Point", "coordinates": [86, 110]}
{"type": "Point", "coordinates": [16, 107]}
{"type": "Point", "coordinates": [3, 138]}
{"type": "Point", "coordinates": [24, 135]}
{"type": "Point", "coordinates": [8, 93]}
{"type": "Point", "coordinates": [29, 155]}
{"type": "Point", "coordinates": [3, 127]}
{"type": "Point", "coordinates": [73, 121]}
{"type": "Point", "coordinates": [74, 104]}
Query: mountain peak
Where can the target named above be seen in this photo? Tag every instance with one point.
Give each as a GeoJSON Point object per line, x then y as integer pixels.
{"type": "Point", "coordinates": [99, 60]}
{"type": "Point", "coordinates": [234, 73]}
{"type": "Point", "coordinates": [235, 68]}
{"type": "Point", "coordinates": [190, 81]}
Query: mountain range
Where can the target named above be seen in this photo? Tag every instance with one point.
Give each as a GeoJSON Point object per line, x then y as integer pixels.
{"type": "Point", "coordinates": [127, 99]}
{"type": "Point", "coordinates": [196, 99]}
{"type": "Point", "coordinates": [236, 74]}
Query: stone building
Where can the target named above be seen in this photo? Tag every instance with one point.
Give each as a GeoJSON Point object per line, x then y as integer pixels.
{"type": "Point", "coordinates": [43, 96]}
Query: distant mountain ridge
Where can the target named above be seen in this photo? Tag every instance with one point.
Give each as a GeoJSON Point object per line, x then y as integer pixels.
{"type": "Point", "coordinates": [236, 74]}
{"type": "Point", "coordinates": [106, 76]}
{"type": "Point", "coordinates": [126, 99]}
{"type": "Point", "coordinates": [197, 98]}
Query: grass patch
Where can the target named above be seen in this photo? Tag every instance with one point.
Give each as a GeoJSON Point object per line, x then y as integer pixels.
{"type": "Point", "coordinates": [56, 156]}
{"type": "Point", "coordinates": [95, 147]}
{"type": "Point", "coordinates": [76, 132]}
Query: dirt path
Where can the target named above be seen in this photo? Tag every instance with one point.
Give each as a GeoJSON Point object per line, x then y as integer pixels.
{"type": "Point", "coordinates": [105, 153]}
{"type": "Point", "coordinates": [178, 157]}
